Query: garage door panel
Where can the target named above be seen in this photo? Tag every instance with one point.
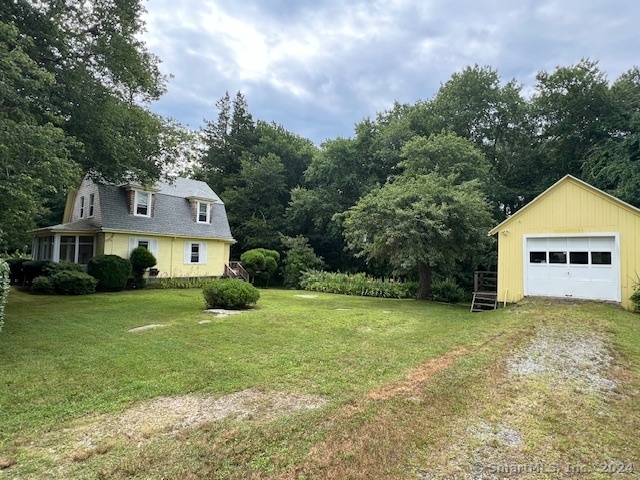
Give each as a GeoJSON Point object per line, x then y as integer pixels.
{"type": "Point", "coordinates": [590, 272]}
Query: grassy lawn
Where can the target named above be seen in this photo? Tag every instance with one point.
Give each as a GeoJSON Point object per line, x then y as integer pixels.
{"type": "Point", "coordinates": [410, 389]}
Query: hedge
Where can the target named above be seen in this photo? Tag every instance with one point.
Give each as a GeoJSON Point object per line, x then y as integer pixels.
{"type": "Point", "coordinates": [5, 273]}
{"type": "Point", "coordinates": [73, 283]}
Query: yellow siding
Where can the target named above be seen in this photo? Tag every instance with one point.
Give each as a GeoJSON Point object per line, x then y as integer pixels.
{"type": "Point", "coordinates": [568, 208]}
{"type": "Point", "coordinates": [170, 255]}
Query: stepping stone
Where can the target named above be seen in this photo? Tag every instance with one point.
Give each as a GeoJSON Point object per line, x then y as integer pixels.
{"type": "Point", "coordinates": [221, 312]}
{"type": "Point", "coordinates": [145, 327]}
{"type": "Point", "coordinates": [342, 309]}
{"type": "Point", "coordinates": [306, 296]}
{"type": "Point", "coordinates": [205, 321]}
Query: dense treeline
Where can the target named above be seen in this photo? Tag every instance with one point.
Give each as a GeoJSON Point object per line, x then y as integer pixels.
{"type": "Point", "coordinates": [411, 192]}
{"type": "Point", "coordinates": [476, 128]}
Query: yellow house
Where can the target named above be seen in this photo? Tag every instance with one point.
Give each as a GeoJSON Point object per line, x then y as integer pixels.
{"type": "Point", "coordinates": [182, 222]}
{"type": "Point", "coordinates": [573, 241]}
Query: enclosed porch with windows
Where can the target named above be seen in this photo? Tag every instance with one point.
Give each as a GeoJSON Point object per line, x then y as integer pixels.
{"type": "Point", "coordinates": [73, 248]}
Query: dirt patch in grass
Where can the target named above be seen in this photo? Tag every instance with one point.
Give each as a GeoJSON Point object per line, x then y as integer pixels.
{"type": "Point", "coordinates": [566, 357]}
{"type": "Point", "coordinates": [167, 416]}
{"type": "Point", "coordinates": [416, 378]}
{"type": "Point", "coordinates": [549, 403]}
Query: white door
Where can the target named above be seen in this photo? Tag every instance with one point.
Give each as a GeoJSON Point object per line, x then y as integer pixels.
{"type": "Point", "coordinates": [576, 267]}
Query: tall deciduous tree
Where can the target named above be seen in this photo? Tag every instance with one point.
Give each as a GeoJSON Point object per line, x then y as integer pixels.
{"type": "Point", "coordinates": [35, 153]}
{"type": "Point", "coordinates": [426, 222]}
{"type": "Point", "coordinates": [433, 216]}
{"type": "Point", "coordinates": [574, 113]}
{"type": "Point", "coordinates": [614, 165]}
{"type": "Point", "coordinates": [76, 84]}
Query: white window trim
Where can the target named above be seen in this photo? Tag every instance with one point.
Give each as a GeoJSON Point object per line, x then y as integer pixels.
{"type": "Point", "coordinates": [82, 206]}
{"type": "Point", "coordinates": [92, 201]}
{"type": "Point", "coordinates": [135, 203]}
{"type": "Point", "coordinates": [208, 220]}
{"type": "Point", "coordinates": [202, 254]}
{"type": "Point", "coordinates": [134, 242]}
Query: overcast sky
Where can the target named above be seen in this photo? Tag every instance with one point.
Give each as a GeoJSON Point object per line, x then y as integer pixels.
{"type": "Point", "coordinates": [318, 67]}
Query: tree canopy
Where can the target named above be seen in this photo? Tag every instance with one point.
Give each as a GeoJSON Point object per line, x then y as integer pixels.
{"type": "Point", "coordinates": [426, 218]}
{"type": "Point", "coordinates": [76, 86]}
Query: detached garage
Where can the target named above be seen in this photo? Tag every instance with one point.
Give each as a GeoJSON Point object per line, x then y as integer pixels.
{"type": "Point", "coordinates": [572, 241]}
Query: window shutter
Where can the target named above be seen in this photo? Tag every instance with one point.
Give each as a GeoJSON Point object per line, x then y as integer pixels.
{"type": "Point", "coordinates": [203, 252]}
{"type": "Point", "coordinates": [153, 247]}
{"type": "Point", "coordinates": [132, 245]}
{"type": "Point", "coordinates": [187, 252]}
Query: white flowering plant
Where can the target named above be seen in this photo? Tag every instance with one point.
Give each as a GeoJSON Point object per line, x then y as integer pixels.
{"type": "Point", "coordinates": [4, 288]}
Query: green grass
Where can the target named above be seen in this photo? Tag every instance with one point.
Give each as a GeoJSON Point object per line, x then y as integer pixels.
{"type": "Point", "coordinates": [63, 359]}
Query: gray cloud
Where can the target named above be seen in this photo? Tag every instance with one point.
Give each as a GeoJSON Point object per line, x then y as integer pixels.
{"type": "Point", "coordinates": [319, 67]}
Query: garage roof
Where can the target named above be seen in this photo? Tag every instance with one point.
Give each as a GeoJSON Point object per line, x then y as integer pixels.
{"type": "Point", "coordinates": [565, 179]}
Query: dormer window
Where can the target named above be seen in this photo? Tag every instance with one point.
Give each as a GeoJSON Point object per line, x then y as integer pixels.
{"type": "Point", "coordinates": [142, 205]}
{"type": "Point", "coordinates": [92, 199]}
{"type": "Point", "coordinates": [81, 207]}
{"type": "Point", "coordinates": [204, 212]}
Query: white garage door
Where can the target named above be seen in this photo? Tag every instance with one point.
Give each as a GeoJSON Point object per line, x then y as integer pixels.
{"type": "Point", "coordinates": [578, 267]}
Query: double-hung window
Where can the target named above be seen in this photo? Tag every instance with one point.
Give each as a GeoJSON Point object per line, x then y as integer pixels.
{"type": "Point", "coordinates": [82, 207]}
{"type": "Point", "coordinates": [195, 253]}
{"type": "Point", "coordinates": [142, 205]}
{"type": "Point", "coordinates": [204, 212]}
{"type": "Point", "coordinates": [92, 199]}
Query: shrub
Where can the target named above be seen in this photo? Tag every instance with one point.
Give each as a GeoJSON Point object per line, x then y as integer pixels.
{"type": "Point", "coordinates": [299, 258]}
{"type": "Point", "coordinates": [357, 284]}
{"type": "Point", "coordinates": [635, 300]}
{"type": "Point", "coordinates": [111, 271]}
{"type": "Point", "coordinates": [447, 290]}
{"type": "Point", "coordinates": [5, 273]}
{"type": "Point", "coordinates": [261, 264]}
{"type": "Point", "coordinates": [36, 268]}
{"type": "Point", "coordinates": [52, 268]}
{"type": "Point", "coordinates": [73, 283]}
{"type": "Point", "coordinates": [42, 286]}
{"type": "Point", "coordinates": [141, 259]}
{"type": "Point", "coordinates": [15, 266]}
{"type": "Point", "coordinates": [230, 293]}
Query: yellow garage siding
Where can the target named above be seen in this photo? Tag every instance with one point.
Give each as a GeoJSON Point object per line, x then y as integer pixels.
{"type": "Point", "coordinates": [171, 254]}
{"type": "Point", "coordinates": [568, 207]}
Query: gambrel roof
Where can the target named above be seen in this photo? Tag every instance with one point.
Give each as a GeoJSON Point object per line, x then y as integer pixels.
{"type": "Point", "coordinates": [172, 212]}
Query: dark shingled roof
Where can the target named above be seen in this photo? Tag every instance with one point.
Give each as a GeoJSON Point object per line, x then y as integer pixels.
{"type": "Point", "coordinates": [172, 212]}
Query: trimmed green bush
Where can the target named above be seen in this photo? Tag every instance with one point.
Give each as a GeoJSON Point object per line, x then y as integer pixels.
{"type": "Point", "coordinates": [447, 290]}
{"type": "Point", "coordinates": [15, 265]}
{"type": "Point", "coordinates": [5, 273]}
{"type": "Point", "coordinates": [230, 293]}
{"type": "Point", "coordinates": [35, 268]}
{"type": "Point", "coordinates": [357, 284]}
{"type": "Point", "coordinates": [42, 286]}
{"type": "Point", "coordinates": [52, 268]}
{"type": "Point", "coordinates": [141, 259]}
{"type": "Point", "coordinates": [73, 283]}
{"type": "Point", "coordinates": [111, 271]}
{"type": "Point", "coordinates": [261, 264]}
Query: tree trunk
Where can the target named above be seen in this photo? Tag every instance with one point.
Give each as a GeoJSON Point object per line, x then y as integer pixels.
{"type": "Point", "coordinates": [424, 279]}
